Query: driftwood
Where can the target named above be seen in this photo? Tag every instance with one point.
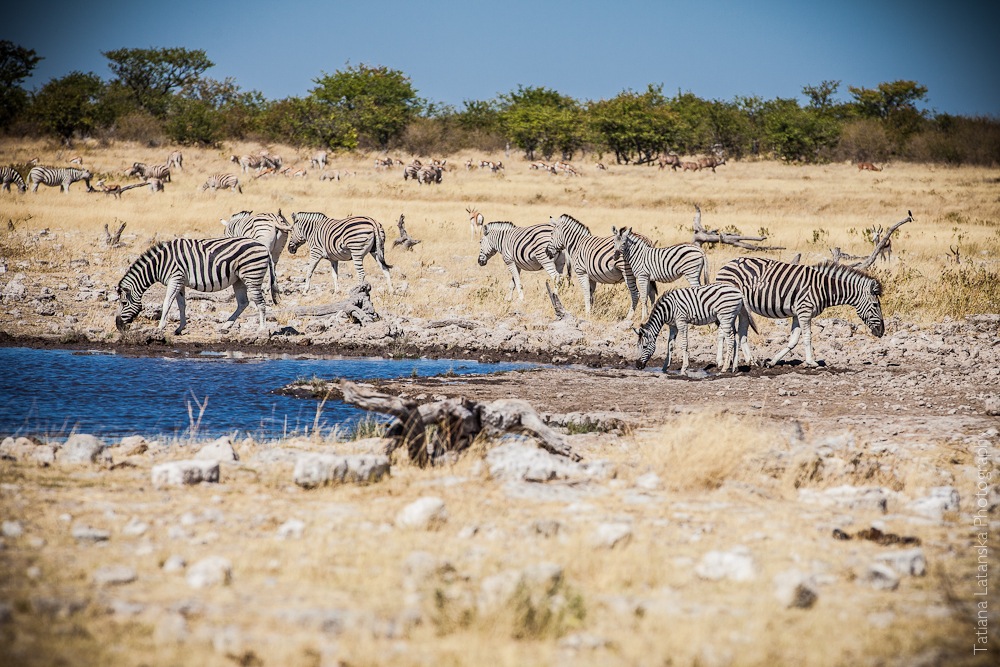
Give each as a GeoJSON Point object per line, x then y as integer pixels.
{"type": "Point", "coordinates": [702, 235]}
{"type": "Point", "coordinates": [357, 306]}
{"type": "Point", "coordinates": [431, 430]}
{"type": "Point", "coordinates": [440, 324]}
{"type": "Point", "coordinates": [113, 240]}
{"type": "Point", "coordinates": [883, 245]}
{"type": "Point", "coordinates": [404, 239]}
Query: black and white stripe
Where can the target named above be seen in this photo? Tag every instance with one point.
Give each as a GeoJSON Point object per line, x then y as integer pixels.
{"type": "Point", "coordinates": [58, 177]}
{"type": "Point", "coordinates": [776, 289]}
{"type": "Point", "coordinates": [271, 229]}
{"type": "Point", "coordinates": [338, 241]}
{"type": "Point", "coordinates": [318, 160]}
{"type": "Point", "coordinates": [216, 181]}
{"type": "Point", "coordinates": [522, 249]}
{"type": "Point", "coordinates": [593, 258]}
{"type": "Point", "coordinates": [175, 159]}
{"type": "Point", "coordinates": [412, 170]}
{"type": "Point", "coordinates": [431, 173]}
{"type": "Point", "coordinates": [659, 265]}
{"type": "Point", "coordinates": [246, 162]}
{"type": "Point", "coordinates": [10, 175]}
{"type": "Point", "coordinates": [720, 303]}
{"type": "Point", "coordinates": [206, 265]}
{"type": "Point", "coordinates": [146, 171]}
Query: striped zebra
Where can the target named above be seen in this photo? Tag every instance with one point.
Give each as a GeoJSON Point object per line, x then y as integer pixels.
{"type": "Point", "coordinates": [58, 177]}
{"type": "Point", "coordinates": [206, 265]}
{"type": "Point", "coordinates": [412, 170]}
{"type": "Point", "coordinates": [339, 240]}
{"type": "Point", "coordinates": [318, 160]}
{"type": "Point", "coordinates": [10, 175]}
{"type": "Point", "coordinates": [144, 171]}
{"type": "Point", "coordinates": [776, 289]}
{"type": "Point", "coordinates": [175, 159]}
{"type": "Point", "coordinates": [216, 181]}
{"type": "Point", "coordinates": [593, 258]}
{"type": "Point", "coordinates": [271, 229]}
{"type": "Point", "coordinates": [522, 249]}
{"type": "Point", "coordinates": [659, 265]}
{"type": "Point", "coordinates": [430, 174]}
{"type": "Point", "coordinates": [246, 162]}
{"type": "Point", "coordinates": [720, 303]}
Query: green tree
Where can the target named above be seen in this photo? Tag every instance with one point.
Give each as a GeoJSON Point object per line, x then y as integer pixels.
{"type": "Point", "coordinates": [635, 126]}
{"type": "Point", "coordinates": [796, 134]}
{"type": "Point", "coordinates": [307, 122]}
{"type": "Point", "coordinates": [71, 104]}
{"type": "Point", "coordinates": [151, 76]}
{"type": "Point", "coordinates": [540, 119]}
{"type": "Point", "coordinates": [16, 64]}
{"type": "Point", "coordinates": [821, 96]}
{"type": "Point", "coordinates": [895, 104]}
{"type": "Point", "coordinates": [377, 102]}
{"type": "Point", "coordinates": [208, 110]}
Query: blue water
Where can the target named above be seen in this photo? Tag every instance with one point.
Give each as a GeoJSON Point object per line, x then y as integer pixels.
{"type": "Point", "coordinates": [55, 393]}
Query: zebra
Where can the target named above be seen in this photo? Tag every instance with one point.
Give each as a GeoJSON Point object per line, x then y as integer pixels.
{"type": "Point", "coordinates": [777, 289]}
{"type": "Point", "coordinates": [268, 160]}
{"type": "Point", "coordinates": [10, 175]}
{"type": "Point", "coordinates": [271, 229]}
{"type": "Point", "coordinates": [216, 181]}
{"type": "Point", "coordinates": [659, 265]}
{"type": "Point", "coordinates": [144, 171]}
{"type": "Point", "coordinates": [58, 176]}
{"type": "Point", "coordinates": [246, 162]}
{"type": "Point", "coordinates": [522, 249]}
{"type": "Point", "coordinates": [206, 265]}
{"type": "Point", "coordinates": [318, 160]}
{"type": "Point", "coordinates": [430, 174]}
{"type": "Point", "coordinates": [703, 304]}
{"type": "Point", "coordinates": [412, 170]}
{"type": "Point", "coordinates": [593, 258]}
{"type": "Point", "coordinates": [175, 159]}
{"type": "Point", "coordinates": [339, 240]}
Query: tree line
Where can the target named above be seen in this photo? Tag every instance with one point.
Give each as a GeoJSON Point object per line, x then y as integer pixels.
{"type": "Point", "coordinates": [160, 95]}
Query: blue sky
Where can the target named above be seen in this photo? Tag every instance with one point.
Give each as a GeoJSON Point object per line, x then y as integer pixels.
{"type": "Point", "coordinates": [473, 50]}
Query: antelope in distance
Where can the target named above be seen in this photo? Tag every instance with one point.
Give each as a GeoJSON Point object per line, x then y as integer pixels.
{"type": "Point", "coordinates": [690, 166]}
{"type": "Point", "coordinates": [671, 160]}
{"type": "Point", "coordinates": [868, 166]}
{"type": "Point", "coordinates": [476, 222]}
{"type": "Point", "coordinates": [711, 163]}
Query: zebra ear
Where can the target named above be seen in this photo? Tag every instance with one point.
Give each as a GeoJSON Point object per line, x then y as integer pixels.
{"type": "Point", "coordinates": [637, 332]}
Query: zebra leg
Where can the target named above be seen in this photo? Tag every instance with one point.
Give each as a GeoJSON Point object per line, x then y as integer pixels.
{"type": "Point", "coordinates": [312, 268]}
{"type": "Point", "coordinates": [792, 342]}
{"type": "Point", "coordinates": [727, 337]}
{"type": "Point", "coordinates": [671, 336]}
{"type": "Point", "coordinates": [359, 267]}
{"type": "Point", "coordinates": [682, 328]}
{"type": "Point", "coordinates": [256, 293]}
{"type": "Point", "coordinates": [742, 338]}
{"type": "Point", "coordinates": [642, 285]}
{"type": "Point", "coordinates": [240, 288]}
{"type": "Point", "coordinates": [515, 276]}
{"type": "Point", "coordinates": [175, 292]}
{"type": "Point", "coordinates": [806, 321]}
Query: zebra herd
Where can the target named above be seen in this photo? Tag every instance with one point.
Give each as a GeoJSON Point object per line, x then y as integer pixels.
{"type": "Point", "coordinates": [742, 287]}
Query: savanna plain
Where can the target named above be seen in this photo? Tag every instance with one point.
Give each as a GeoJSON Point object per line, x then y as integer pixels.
{"type": "Point", "coordinates": [782, 516]}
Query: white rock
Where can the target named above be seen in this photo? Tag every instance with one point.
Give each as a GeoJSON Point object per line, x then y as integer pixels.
{"type": "Point", "coordinates": [83, 533]}
{"type": "Point", "coordinates": [218, 450]}
{"type": "Point", "coordinates": [177, 473]}
{"type": "Point", "coordinates": [81, 448]}
{"type": "Point", "coordinates": [312, 470]}
{"type": "Point", "coordinates": [291, 529]}
{"type": "Point", "coordinates": [650, 481]}
{"type": "Point", "coordinates": [941, 499]}
{"type": "Point", "coordinates": [174, 563]}
{"type": "Point", "coordinates": [735, 565]}
{"type": "Point", "coordinates": [211, 571]}
{"type": "Point", "coordinates": [849, 497]}
{"type": "Point", "coordinates": [795, 590]}
{"type": "Point", "coordinates": [135, 527]}
{"type": "Point", "coordinates": [133, 445]}
{"type": "Point", "coordinates": [881, 577]}
{"type": "Point", "coordinates": [516, 461]}
{"type": "Point", "coordinates": [540, 583]}
{"type": "Point", "coordinates": [611, 535]}
{"type": "Point", "coordinates": [114, 575]}
{"type": "Point", "coordinates": [427, 513]}
{"type": "Point", "coordinates": [909, 562]}
{"type": "Point", "coordinates": [11, 529]}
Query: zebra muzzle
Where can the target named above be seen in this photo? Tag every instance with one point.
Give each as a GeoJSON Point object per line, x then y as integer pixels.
{"type": "Point", "coordinates": [120, 324]}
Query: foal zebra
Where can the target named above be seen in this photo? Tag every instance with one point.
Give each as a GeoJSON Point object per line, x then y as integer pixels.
{"type": "Point", "coordinates": [338, 241]}
{"type": "Point", "coordinates": [776, 289]}
{"type": "Point", "coordinates": [206, 265]}
{"type": "Point", "coordinates": [703, 304]}
{"type": "Point", "coordinates": [659, 265]}
{"type": "Point", "coordinates": [144, 171]}
{"type": "Point", "coordinates": [10, 175]}
{"type": "Point", "coordinates": [271, 229]}
{"type": "Point", "coordinates": [522, 249]}
{"type": "Point", "coordinates": [593, 258]}
{"type": "Point", "coordinates": [58, 177]}
{"type": "Point", "coordinates": [216, 181]}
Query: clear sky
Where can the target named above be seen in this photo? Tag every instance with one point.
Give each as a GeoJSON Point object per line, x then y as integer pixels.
{"type": "Point", "coordinates": [456, 50]}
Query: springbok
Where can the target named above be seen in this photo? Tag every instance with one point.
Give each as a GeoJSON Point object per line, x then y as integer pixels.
{"type": "Point", "coordinates": [868, 166]}
{"type": "Point", "coordinates": [476, 221]}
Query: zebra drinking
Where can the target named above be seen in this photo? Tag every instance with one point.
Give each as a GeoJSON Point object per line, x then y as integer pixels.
{"type": "Point", "coordinates": [522, 249]}
{"type": "Point", "coordinates": [652, 265]}
{"type": "Point", "coordinates": [206, 265]}
{"type": "Point", "coordinates": [58, 177]}
{"type": "Point", "coordinates": [593, 258]}
{"type": "Point", "coordinates": [338, 241]}
{"type": "Point", "coordinates": [703, 304]}
{"type": "Point", "coordinates": [776, 289]}
{"type": "Point", "coordinates": [10, 175]}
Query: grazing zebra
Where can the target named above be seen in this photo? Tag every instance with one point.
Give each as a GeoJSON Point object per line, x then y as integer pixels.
{"type": "Point", "coordinates": [593, 258]}
{"type": "Point", "coordinates": [412, 170]}
{"type": "Point", "coordinates": [522, 249]}
{"type": "Point", "coordinates": [318, 160]}
{"type": "Point", "coordinates": [268, 160]}
{"type": "Point", "coordinates": [659, 265]}
{"type": "Point", "coordinates": [58, 177]}
{"type": "Point", "coordinates": [175, 159]}
{"type": "Point", "coordinates": [338, 241]}
{"type": "Point", "coordinates": [776, 289]}
{"type": "Point", "coordinates": [430, 174]}
{"type": "Point", "coordinates": [206, 265]}
{"type": "Point", "coordinates": [10, 175]}
{"type": "Point", "coordinates": [720, 303]}
{"type": "Point", "coordinates": [246, 162]}
{"type": "Point", "coordinates": [216, 181]}
{"type": "Point", "coordinates": [476, 221]}
{"type": "Point", "coordinates": [271, 229]}
{"type": "Point", "coordinates": [144, 171]}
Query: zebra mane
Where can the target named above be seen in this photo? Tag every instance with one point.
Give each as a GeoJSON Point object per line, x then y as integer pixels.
{"type": "Point", "coordinates": [836, 270]}
{"type": "Point", "coordinates": [641, 237]}
{"type": "Point", "coordinates": [498, 224]}
{"type": "Point", "coordinates": [567, 218]}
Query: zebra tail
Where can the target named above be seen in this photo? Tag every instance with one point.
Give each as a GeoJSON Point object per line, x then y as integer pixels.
{"type": "Point", "coordinates": [749, 315]}
{"type": "Point", "coordinates": [704, 274]}
{"type": "Point", "coordinates": [274, 281]}
{"type": "Point", "coordinates": [380, 249]}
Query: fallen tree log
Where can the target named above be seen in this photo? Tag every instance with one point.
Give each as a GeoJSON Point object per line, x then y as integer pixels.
{"type": "Point", "coordinates": [428, 431]}
{"type": "Point", "coordinates": [404, 239]}
{"type": "Point", "coordinates": [113, 240]}
{"type": "Point", "coordinates": [883, 247]}
{"type": "Point", "coordinates": [702, 235]}
{"type": "Point", "coordinates": [357, 306]}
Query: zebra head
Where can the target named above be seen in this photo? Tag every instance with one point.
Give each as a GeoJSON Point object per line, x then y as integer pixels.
{"type": "Point", "coordinates": [869, 305]}
{"type": "Point", "coordinates": [486, 249]}
{"type": "Point", "coordinates": [620, 236]}
{"type": "Point", "coordinates": [557, 242]}
{"type": "Point", "coordinates": [129, 304]}
{"type": "Point", "coordinates": [647, 345]}
{"type": "Point", "coordinates": [296, 235]}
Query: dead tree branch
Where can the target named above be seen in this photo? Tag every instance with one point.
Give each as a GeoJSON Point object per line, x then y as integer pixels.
{"type": "Point", "coordinates": [702, 235]}
{"type": "Point", "coordinates": [113, 240]}
{"type": "Point", "coordinates": [404, 239]}
{"type": "Point", "coordinates": [431, 430]}
{"type": "Point", "coordinates": [880, 246]}
{"type": "Point", "coordinates": [357, 306]}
